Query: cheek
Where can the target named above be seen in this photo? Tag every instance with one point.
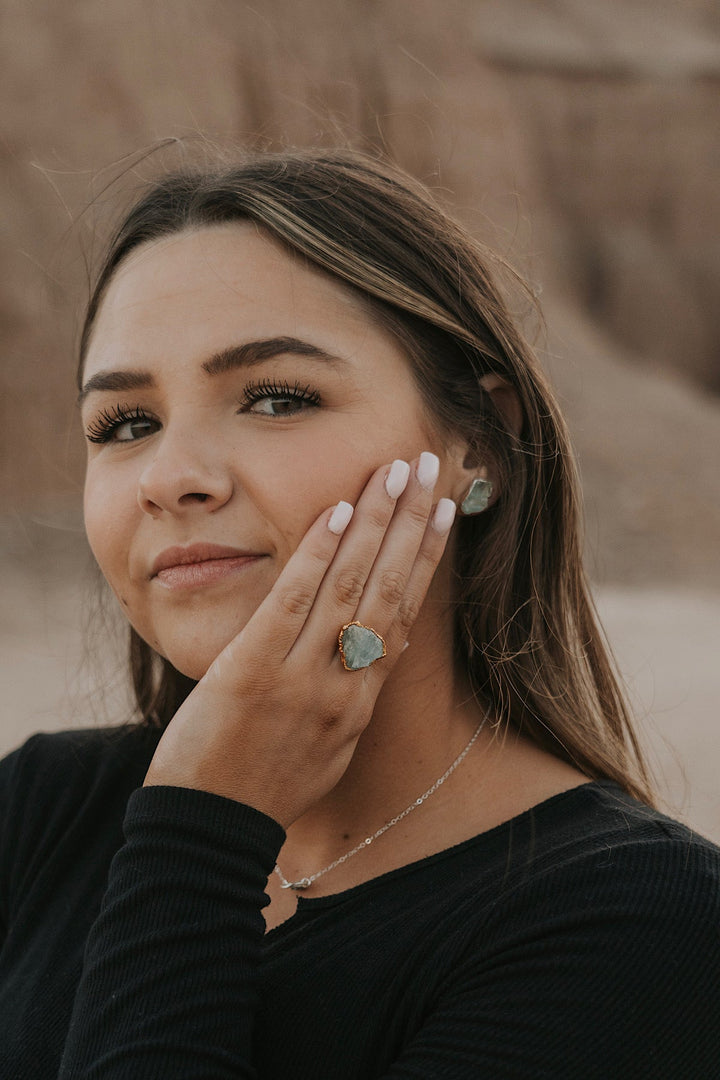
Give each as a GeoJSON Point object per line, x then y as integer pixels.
{"type": "Point", "coordinates": [106, 515]}
{"type": "Point", "coordinates": [303, 478]}
{"type": "Point", "coordinates": [298, 488]}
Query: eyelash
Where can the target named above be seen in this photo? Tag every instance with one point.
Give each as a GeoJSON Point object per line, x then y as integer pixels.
{"type": "Point", "coordinates": [268, 388]}
{"type": "Point", "coordinates": [103, 426]}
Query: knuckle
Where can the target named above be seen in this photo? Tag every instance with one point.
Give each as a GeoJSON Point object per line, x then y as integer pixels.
{"type": "Point", "coordinates": [296, 599]}
{"type": "Point", "coordinates": [427, 558]}
{"type": "Point", "coordinates": [391, 587]}
{"type": "Point", "coordinates": [418, 515]}
{"type": "Point", "coordinates": [348, 586]}
{"type": "Point", "coordinates": [332, 718]}
{"type": "Point", "coordinates": [377, 519]}
{"type": "Point", "coordinates": [329, 722]}
{"type": "Point", "coordinates": [408, 612]}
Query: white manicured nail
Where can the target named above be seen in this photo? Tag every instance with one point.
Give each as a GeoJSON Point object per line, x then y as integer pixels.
{"type": "Point", "coordinates": [340, 518]}
{"type": "Point", "coordinates": [397, 478]}
{"type": "Point", "coordinates": [444, 516]}
{"type": "Point", "coordinates": [428, 470]}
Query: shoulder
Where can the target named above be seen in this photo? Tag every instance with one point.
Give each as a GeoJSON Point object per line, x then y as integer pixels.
{"type": "Point", "coordinates": [597, 882]}
{"type": "Point", "coordinates": [53, 777]}
{"type": "Point", "coordinates": [590, 874]}
{"type": "Point", "coordinates": [602, 916]}
{"type": "Point", "coordinates": [63, 758]}
{"type": "Point", "coordinates": [596, 842]}
{"type": "Point", "coordinates": [604, 829]}
{"type": "Point", "coordinates": [589, 879]}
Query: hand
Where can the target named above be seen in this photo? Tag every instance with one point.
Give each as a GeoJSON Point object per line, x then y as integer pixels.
{"type": "Point", "coordinates": [275, 720]}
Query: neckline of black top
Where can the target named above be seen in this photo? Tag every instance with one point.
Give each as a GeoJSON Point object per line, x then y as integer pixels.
{"type": "Point", "coordinates": [490, 837]}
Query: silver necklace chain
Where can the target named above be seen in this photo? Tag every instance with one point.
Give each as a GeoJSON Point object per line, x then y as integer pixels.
{"type": "Point", "coordinates": [306, 882]}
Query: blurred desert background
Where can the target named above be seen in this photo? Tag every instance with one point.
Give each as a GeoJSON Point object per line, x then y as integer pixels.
{"type": "Point", "coordinates": [580, 138]}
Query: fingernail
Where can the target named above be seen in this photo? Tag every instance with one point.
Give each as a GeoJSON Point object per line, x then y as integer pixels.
{"type": "Point", "coordinates": [444, 516]}
{"type": "Point", "coordinates": [397, 478]}
{"type": "Point", "coordinates": [428, 470]}
{"type": "Point", "coordinates": [340, 518]}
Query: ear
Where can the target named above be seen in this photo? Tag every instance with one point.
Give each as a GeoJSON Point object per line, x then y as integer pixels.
{"type": "Point", "coordinates": [505, 399]}
{"type": "Point", "coordinates": [468, 466]}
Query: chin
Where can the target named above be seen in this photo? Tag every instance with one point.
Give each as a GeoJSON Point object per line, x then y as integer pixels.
{"type": "Point", "coordinates": [194, 654]}
{"type": "Point", "coordinates": [194, 663]}
{"type": "Point", "coordinates": [192, 667]}
{"type": "Point", "coordinates": [191, 631]}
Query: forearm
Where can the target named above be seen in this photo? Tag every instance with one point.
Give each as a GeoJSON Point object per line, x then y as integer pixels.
{"type": "Point", "coordinates": [168, 984]}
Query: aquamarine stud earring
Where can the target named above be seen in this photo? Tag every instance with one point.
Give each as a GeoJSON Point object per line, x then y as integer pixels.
{"type": "Point", "coordinates": [477, 498]}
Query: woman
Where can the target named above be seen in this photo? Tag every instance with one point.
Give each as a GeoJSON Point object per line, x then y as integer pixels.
{"type": "Point", "coordinates": [385, 815]}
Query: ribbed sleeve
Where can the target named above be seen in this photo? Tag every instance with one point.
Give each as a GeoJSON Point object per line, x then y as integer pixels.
{"type": "Point", "coordinates": [168, 984]}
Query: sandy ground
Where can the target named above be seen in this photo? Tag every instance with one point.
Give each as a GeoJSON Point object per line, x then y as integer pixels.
{"type": "Point", "coordinates": [666, 641]}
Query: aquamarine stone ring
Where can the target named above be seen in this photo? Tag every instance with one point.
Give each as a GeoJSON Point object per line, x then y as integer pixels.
{"type": "Point", "coordinates": [360, 646]}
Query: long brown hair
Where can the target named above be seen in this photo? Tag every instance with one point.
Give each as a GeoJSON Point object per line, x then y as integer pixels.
{"type": "Point", "coordinates": [526, 631]}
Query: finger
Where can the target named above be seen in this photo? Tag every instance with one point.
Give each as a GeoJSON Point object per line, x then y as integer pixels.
{"type": "Point", "coordinates": [395, 634]}
{"type": "Point", "coordinates": [420, 576]}
{"type": "Point", "coordinates": [367, 580]}
{"type": "Point", "coordinates": [406, 537]}
{"type": "Point", "coordinates": [353, 567]}
{"type": "Point", "coordinates": [339, 595]}
{"type": "Point", "coordinates": [277, 622]}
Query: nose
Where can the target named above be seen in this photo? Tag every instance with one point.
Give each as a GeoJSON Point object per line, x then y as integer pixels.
{"type": "Point", "coordinates": [182, 476]}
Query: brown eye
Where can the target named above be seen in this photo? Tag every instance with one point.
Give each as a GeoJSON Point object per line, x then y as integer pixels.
{"type": "Point", "coordinates": [278, 406]}
{"type": "Point", "coordinates": [120, 424]}
{"type": "Point", "coordinates": [268, 398]}
{"type": "Point", "coordinates": [132, 430]}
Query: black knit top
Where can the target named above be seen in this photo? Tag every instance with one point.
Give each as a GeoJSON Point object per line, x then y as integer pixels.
{"type": "Point", "coordinates": [581, 939]}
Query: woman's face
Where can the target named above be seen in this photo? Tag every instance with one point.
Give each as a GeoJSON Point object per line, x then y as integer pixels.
{"type": "Point", "coordinates": [231, 394]}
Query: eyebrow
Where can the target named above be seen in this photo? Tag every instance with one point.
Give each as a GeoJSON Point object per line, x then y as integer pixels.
{"type": "Point", "coordinates": [230, 359]}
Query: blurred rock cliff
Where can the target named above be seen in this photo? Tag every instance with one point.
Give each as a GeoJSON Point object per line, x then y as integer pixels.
{"type": "Point", "coordinates": [581, 139]}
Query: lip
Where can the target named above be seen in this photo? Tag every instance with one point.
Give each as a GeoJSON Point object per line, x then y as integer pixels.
{"type": "Point", "coordinates": [199, 564]}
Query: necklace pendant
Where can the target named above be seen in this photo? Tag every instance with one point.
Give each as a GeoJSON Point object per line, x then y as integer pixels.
{"type": "Point", "coordinates": [297, 886]}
